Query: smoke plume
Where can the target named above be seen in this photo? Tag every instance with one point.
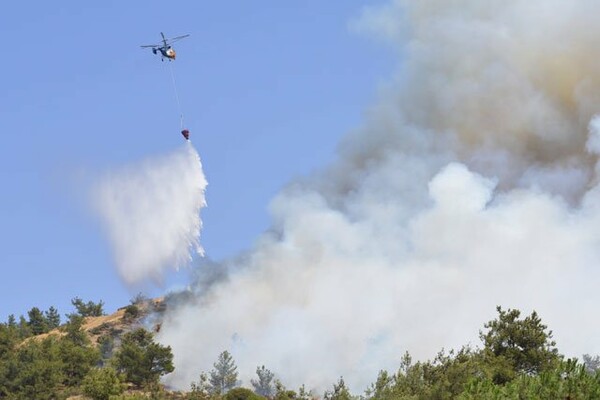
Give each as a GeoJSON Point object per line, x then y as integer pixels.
{"type": "Point", "coordinates": [472, 183]}
{"type": "Point", "coordinates": [151, 212]}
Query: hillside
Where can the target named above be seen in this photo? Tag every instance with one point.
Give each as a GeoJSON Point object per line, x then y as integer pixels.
{"type": "Point", "coordinates": [124, 320]}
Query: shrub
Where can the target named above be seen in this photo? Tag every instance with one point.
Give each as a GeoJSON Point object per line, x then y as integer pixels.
{"type": "Point", "coordinates": [242, 394]}
{"type": "Point", "coordinates": [102, 383]}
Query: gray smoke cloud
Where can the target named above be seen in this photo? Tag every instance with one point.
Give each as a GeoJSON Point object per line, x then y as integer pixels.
{"type": "Point", "coordinates": [151, 212]}
{"type": "Point", "coordinates": [471, 184]}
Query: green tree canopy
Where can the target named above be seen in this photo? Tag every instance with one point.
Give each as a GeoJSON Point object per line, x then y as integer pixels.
{"type": "Point", "coordinates": [264, 384]}
{"type": "Point", "coordinates": [224, 375]}
{"type": "Point", "coordinates": [37, 321]}
{"type": "Point", "coordinates": [102, 383]}
{"type": "Point", "coordinates": [565, 380]}
{"type": "Point", "coordinates": [515, 346]}
{"type": "Point", "coordinates": [89, 309]}
{"type": "Point", "coordinates": [77, 352]}
{"type": "Point", "coordinates": [35, 372]}
{"type": "Point", "coordinates": [339, 392]}
{"type": "Point", "coordinates": [242, 394]}
{"type": "Point", "coordinates": [52, 318]}
{"type": "Point", "coordinates": [23, 327]}
{"type": "Point", "coordinates": [283, 393]}
{"type": "Point", "coordinates": [141, 359]}
{"type": "Point", "coordinates": [591, 363]}
{"type": "Point", "coordinates": [9, 337]}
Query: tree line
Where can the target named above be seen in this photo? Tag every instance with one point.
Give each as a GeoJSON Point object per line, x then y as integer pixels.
{"type": "Point", "coordinates": [517, 359]}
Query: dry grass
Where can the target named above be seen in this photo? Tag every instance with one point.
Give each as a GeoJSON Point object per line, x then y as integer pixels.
{"type": "Point", "coordinates": [95, 327]}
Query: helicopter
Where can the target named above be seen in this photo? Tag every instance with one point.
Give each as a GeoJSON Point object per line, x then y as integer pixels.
{"type": "Point", "coordinates": [165, 49]}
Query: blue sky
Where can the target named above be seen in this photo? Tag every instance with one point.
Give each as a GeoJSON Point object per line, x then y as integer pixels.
{"type": "Point", "coordinates": [267, 89]}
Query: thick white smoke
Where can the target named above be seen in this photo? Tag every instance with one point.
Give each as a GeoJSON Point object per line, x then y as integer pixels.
{"type": "Point", "coordinates": [472, 184]}
{"type": "Point", "coordinates": [151, 212]}
{"type": "Point", "coordinates": [593, 142]}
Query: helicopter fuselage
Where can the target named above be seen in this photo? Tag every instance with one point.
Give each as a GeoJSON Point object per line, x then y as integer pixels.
{"type": "Point", "coordinates": [165, 52]}
{"type": "Point", "coordinates": [165, 49]}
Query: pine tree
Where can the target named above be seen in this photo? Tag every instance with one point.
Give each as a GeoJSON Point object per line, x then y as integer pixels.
{"type": "Point", "coordinates": [89, 309]}
{"type": "Point", "coordinates": [37, 321]}
{"type": "Point", "coordinates": [264, 385]}
{"type": "Point", "coordinates": [224, 375]}
{"type": "Point", "coordinates": [514, 346]}
{"type": "Point", "coordinates": [23, 328]}
{"type": "Point", "coordinates": [36, 371]}
{"type": "Point", "coordinates": [339, 392]}
{"type": "Point", "coordinates": [52, 318]}
{"type": "Point", "coordinates": [76, 352]}
{"type": "Point", "coordinates": [142, 360]}
{"type": "Point", "coordinates": [592, 364]}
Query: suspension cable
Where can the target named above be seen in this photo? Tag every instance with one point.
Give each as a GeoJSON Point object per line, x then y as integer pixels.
{"type": "Point", "coordinates": [176, 95]}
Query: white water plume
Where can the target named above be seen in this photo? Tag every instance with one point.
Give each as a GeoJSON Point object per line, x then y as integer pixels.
{"type": "Point", "coordinates": [472, 183]}
{"type": "Point", "coordinates": [151, 212]}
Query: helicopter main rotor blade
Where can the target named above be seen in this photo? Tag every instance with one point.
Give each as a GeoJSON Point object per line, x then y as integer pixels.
{"type": "Point", "coordinates": [166, 42]}
{"type": "Point", "coordinates": [179, 37]}
{"type": "Point", "coordinates": [171, 40]}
